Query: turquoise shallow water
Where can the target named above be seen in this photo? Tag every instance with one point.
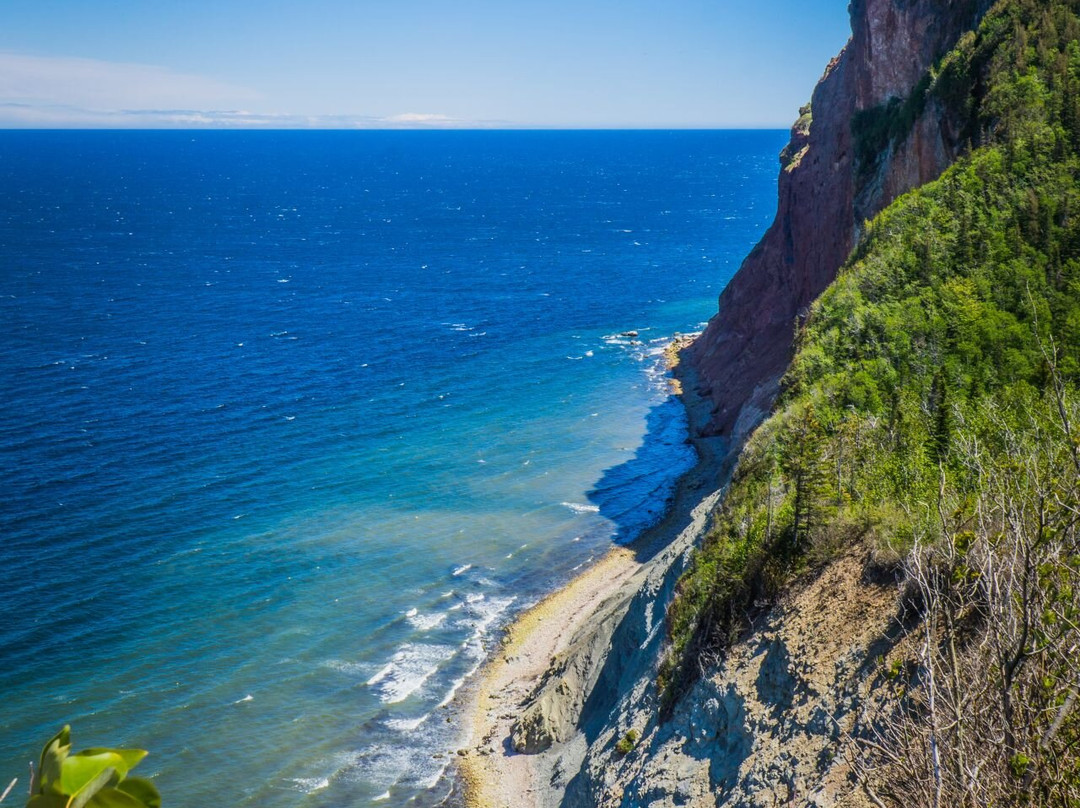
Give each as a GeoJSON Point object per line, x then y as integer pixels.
{"type": "Point", "coordinates": [293, 422]}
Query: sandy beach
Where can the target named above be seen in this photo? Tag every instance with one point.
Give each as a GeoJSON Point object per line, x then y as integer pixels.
{"type": "Point", "coordinates": [493, 774]}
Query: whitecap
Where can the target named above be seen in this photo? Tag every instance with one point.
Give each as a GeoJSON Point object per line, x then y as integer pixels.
{"type": "Point", "coordinates": [579, 508]}
{"type": "Point", "coordinates": [412, 612]}
{"type": "Point", "coordinates": [384, 671]}
{"type": "Point", "coordinates": [407, 671]}
{"type": "Point", "coordinates": [432, 780]}
{"type": "Point", "coordinates": [459, 570]}
{"type": "Point", "coordinates": [426, 622]}
{"type": "Point", "coordinates": [248, 697]}
{"type": "Point", "coordinates": [406, 724]}
{"type": "Point", "coordinates": [309, 785]}
{"type": "Point", "coordinates": [486, 614]}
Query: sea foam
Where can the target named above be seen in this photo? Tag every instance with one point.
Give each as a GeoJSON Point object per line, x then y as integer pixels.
{"type": "Point", "coordinates": [406, 672]}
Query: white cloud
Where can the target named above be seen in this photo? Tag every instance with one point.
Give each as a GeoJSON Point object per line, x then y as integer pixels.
{"type": "Point", "coordinates": [419, 118]}
{"type": "Point", "coordinates": [428, 120]}
{"type": "Point", "coordinates": [48, 116]}
{"type": "Point", "coordinates": [43, 116]}
{"type": "Point", "coordinates": [48, 91]}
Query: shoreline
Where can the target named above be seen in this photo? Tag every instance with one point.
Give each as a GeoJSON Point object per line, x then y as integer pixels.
{"type": "Point", "coordinates": [490, 772]}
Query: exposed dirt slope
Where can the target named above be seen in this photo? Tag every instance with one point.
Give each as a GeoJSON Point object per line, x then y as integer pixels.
{"type": "Point", "coordinates": [766, 726]}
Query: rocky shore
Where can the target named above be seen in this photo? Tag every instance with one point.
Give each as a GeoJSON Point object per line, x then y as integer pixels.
{"type": "Point", "coordinates": [558, 661]}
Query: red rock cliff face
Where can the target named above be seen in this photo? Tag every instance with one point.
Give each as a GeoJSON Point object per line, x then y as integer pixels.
{"type": "Point", "coordinates": [822, 202]}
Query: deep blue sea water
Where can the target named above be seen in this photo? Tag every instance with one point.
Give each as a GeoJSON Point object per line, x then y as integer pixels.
{"type": "Point", "coordinates": [292, 422]}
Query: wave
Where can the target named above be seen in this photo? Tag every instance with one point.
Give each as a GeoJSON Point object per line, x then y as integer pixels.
{"type": "Point", "coordinates": [408, 670]}
{"type": "Point", "coordinates": [577, 507]}
{"type": "Point", "coordinates": [486, 612]}
{"type": "Point", "coordinates": [406, 724]}
{"type": "Point", "coordinates": [309, 785]}
{"type": "Point", "coordinates": [426, 622]}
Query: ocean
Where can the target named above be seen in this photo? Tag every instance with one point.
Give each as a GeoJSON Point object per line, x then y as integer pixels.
{"type": "Point", "coordinates": [293, 422]}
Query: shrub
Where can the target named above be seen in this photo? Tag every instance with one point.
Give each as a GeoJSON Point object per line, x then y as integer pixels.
{"type": "Point", "coordinates": [627, 743]}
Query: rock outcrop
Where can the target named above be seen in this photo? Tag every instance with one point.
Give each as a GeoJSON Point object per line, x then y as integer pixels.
{"type": "Point", "coordinates": [767, 725]}
{"type": "Point", "coordinates": [824, 197]}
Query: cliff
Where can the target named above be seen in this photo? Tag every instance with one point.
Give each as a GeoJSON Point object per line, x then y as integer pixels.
{"type": "Point", "coordinates": [825, 194]}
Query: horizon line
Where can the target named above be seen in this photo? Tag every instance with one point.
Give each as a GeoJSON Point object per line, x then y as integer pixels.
{"type": "Point", "coordinates": [418, 129]}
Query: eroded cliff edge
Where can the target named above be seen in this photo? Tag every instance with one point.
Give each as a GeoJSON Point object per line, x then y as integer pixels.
{"type": "Point", "coordinates": [826, 192]}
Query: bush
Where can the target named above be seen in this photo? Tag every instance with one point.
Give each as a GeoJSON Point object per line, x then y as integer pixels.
{"type": "Point", "coordinates": [627, 743]}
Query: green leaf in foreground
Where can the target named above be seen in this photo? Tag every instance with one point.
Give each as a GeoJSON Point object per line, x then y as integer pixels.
{"type": "Point", "coordinates": [93, 778]}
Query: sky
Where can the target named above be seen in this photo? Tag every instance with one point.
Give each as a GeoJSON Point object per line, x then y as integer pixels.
{"type": "Point", "coordinates": [413, 63]}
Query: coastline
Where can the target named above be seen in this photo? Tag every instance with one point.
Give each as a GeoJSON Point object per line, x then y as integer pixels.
{"type": "Point", "coordinates": [492, 774]}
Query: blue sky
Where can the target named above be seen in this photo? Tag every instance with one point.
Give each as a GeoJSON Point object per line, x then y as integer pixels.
{"type": "Point", "coordinates": [413, 63]}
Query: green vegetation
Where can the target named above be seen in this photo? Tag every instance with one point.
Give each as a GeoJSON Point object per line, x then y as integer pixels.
{"type": "Point", "coordinates": [93, 778]}
{"type": "Point", "coordinates": [984, 84]}
{"type": "Point", "coordinates": [627, 743]}
{"type": "Point", "coordinates": [796, 148]}
{"type": "Point", "coordinates": [932, 411]}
